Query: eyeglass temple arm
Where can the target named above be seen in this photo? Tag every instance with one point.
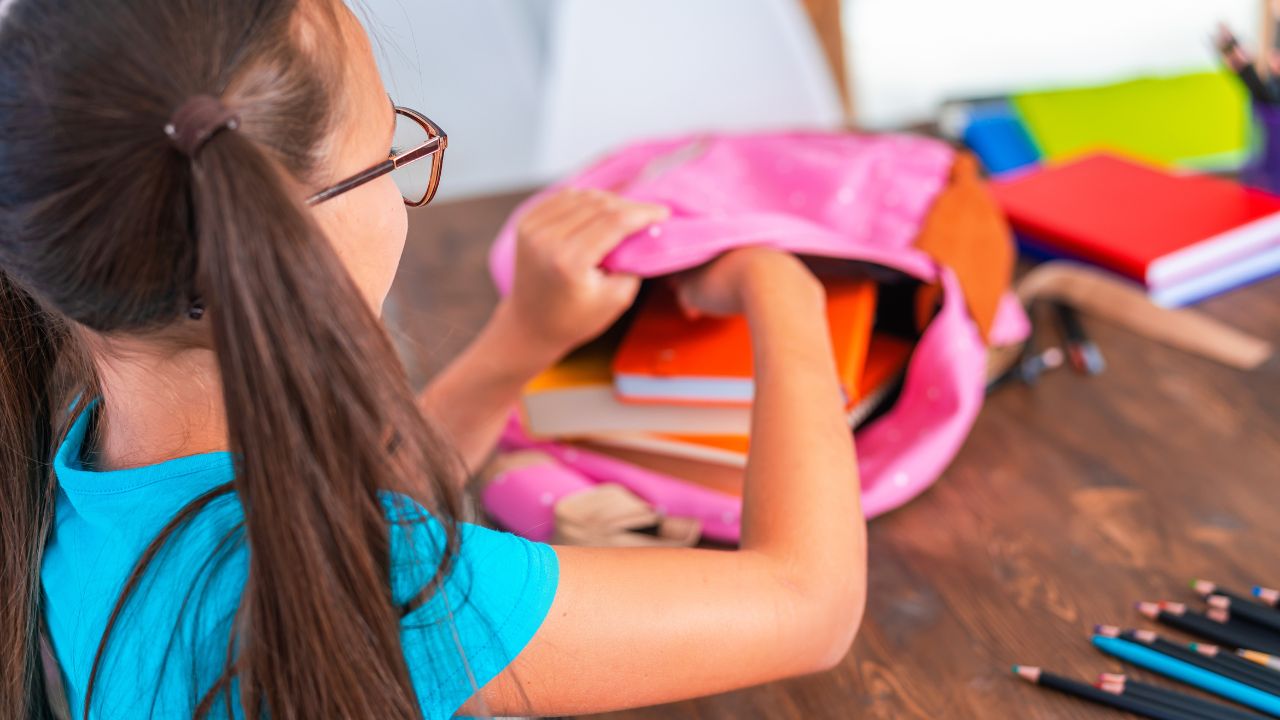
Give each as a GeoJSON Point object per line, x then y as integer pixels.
{"type": "Point", "coordinates": [354, 181]}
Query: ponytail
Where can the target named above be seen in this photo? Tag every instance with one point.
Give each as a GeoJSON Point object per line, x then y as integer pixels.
{"type": "Point", "coordinates": [30, 343]}
{"type": "Point", "coordinates": [313, 390]}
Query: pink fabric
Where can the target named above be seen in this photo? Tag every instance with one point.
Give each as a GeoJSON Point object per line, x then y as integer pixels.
{"type": "Point", "coordinates": [523, 499]}
{"type": "Point", "coordinates": [860, 197]}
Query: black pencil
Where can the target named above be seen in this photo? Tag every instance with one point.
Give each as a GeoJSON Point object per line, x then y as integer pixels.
{"type": "Point", "coordinates": [1267, 677]}
{"type": "Point", "coordinates": [1173, 699]}
{"type": "Point", "coordinates": [1211, 662]}
{"type": "Point", "coordinates": [1177, 616]}
{"type": "Point", "coordinates": [1255, 636]}
{"type": "Point", "coordinates": [1067, 686]}
{"type": "Point", "coordinates": [1249, 676]}
{"type": "Point", "coordinates": [1252, 635]}
{"type": "Point", "coordinates": [1247, 610]}
{"type": "Point", "coordinates": [1204, 589]}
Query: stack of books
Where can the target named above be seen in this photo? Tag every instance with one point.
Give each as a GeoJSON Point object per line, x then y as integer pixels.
{"type": "Point", "coordinates": [1184, 237]}
{"type": "Point", "coordinates": [675, 393]}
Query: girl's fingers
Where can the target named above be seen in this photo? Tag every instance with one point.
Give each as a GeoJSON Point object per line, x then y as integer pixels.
{"type": "Point", "coordinates": [604, 232]}
{"type": "Point", "coordinates": [619, 289]}
{"type": "Point", "coordinates": [547, 218]}
{"type": "Point", "coordinates": [561, 229]}
{"type": "Point", "coordinates": [551, 208]}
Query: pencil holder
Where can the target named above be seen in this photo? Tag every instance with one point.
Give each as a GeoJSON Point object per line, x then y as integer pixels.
{"type": "Point", "coordinates": [1263, 170]}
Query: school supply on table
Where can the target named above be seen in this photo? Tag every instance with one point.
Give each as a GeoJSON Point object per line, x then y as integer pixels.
{"type": "Point", "coordinates": [1084, 354]}
{"type": "Point", "coordinates": [994, 131]}
{"type": "Point", "coordinates": [854, 201]}
{"type": "Point", "coordinates": [1206, 588]}
{"type": "Point", "coordinates": [1246, 610]}
{"type": "Point", "coordinates": [1263, 659]}
{"type": "Point", "coordinates": [1182, 237]}
{"type": "Point", "coordinates": [666, 357]}
{"type": "Point", "coordinates": [1123, 685]}
{"type": "Point", "coordinates": [1198, 121]}
{"type": "Point", "coordinates": [1144, 707]}
{"type": "Point", "coordinates": [1261, 675]}
{"type": "Point", "coordinates": [1245, 676]}
{"type": "Point", "coordinates": [1207, 657]}
{"type": "Point", "coordinates": [1267, 595]}
{"type": "Point", "coordinates": [1193, 675]}
{"type": "Point", "coordinates": [1224, 632]}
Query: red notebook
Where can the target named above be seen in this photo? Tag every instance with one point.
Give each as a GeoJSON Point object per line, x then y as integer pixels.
{"type": "Point", "coordinates": [1155, 227]}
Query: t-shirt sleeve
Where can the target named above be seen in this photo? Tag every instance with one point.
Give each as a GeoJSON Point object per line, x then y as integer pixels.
{"type": "Point", "coordinates": [472, 625]}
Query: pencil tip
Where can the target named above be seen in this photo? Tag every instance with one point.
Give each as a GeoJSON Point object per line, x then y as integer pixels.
{"type": "Point", "coordinates": [1106, 630]}
{"type": "Point", "coordinates": [1204, 587]}
{"type": "Point", "coordinates": [1150, 609]}
{"type": "Point", "coordinates": [1030, 674]}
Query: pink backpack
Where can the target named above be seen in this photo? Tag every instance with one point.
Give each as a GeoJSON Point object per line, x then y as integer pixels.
{"type": "Point", "coordinates": [857, 197]}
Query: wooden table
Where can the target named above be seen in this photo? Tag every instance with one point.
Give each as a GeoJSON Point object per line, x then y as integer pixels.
{"type": "Point", "coordinates": [1070, 501]}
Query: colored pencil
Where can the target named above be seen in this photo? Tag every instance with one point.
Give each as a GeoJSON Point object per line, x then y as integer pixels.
{"type": "Point", "coordinates": [1204, 589]}
{"type": "Point", "coordinates": [1174, 699]}
{"type": "Point", "coordinates": [1263, 679]}
{"type": "Point", "coordinates": [1259, 658]}
{"type": "Point", "coordinates": [1255, 636]}
{"type": "Point", "coordinates": [1247, 610]}
{"type": "Point", "coordinates": [1267, 595]}
{"type": "Point", "coordinates": [1067, 686]}
{"type": "Point", "coordinates": [1249, 676]}
{"type": "Point", "coordinates": [1145, 657]}
{"type": "Point", "coordinates": [1177, 616]}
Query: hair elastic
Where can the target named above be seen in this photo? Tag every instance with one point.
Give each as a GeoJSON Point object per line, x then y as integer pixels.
{"type": "Point", "coordinates": [197, 120]}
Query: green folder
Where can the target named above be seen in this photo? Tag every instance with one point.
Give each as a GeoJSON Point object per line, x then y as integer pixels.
{"type": "Point", "coordinates": [1199, 120]}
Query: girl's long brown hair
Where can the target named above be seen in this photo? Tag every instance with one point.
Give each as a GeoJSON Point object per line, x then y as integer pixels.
{"type": "Point", "coordinates": [106, 228]}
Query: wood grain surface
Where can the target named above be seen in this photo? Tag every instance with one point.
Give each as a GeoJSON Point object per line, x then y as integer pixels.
{"type": "Point", "coordinates": [1069, 501]}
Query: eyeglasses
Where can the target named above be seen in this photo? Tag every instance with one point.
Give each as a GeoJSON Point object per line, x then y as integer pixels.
{"type": "Point", "coordinates": [416, 137]}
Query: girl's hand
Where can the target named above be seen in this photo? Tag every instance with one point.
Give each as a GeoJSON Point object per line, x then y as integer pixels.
{"type": "Point", "coordinates": [561, 297]}
{"type": "Point", "coordinates": [720, 287]}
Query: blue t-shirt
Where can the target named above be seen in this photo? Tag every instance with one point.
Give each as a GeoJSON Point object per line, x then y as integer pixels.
{"type": "Point", "coordinates": [170, 643]}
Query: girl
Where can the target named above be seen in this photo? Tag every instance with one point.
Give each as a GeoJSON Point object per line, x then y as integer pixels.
{"type": "Point", "coordinates": [218, 496]}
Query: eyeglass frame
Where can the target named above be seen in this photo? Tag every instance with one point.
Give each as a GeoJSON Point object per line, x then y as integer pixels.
{"type": "Point", "coordinates": [437, 141]}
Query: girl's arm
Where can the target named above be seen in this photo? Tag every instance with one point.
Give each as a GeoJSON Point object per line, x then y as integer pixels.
{"type": "Point", "coordinates": [632, 627]}
{"type": "Point", "coordinates": [559, 299]}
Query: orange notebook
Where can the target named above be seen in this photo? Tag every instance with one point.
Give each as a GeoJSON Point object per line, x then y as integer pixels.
{"type": "Point", "coordinates": [886, 359]}
{"type": "Point", "coordinates": [668, 358]}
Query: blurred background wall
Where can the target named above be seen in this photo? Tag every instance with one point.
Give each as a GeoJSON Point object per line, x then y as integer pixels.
{"type": "Point", "coordinates": [529, 89]}
{"type": "Point", "coordinates": [907, 56]}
